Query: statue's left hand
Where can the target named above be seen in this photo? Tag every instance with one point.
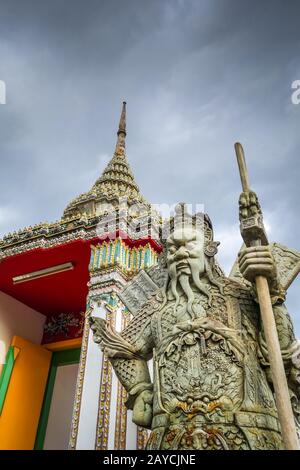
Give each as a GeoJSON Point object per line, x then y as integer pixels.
{"type": "Point", "coordinates": [257, 261]}
{"type": "Point", "coordinates": [142, 409]}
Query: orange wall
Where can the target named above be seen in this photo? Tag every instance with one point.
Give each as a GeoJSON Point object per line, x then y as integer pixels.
{"type": "Point", "coordinates": [24, 398]}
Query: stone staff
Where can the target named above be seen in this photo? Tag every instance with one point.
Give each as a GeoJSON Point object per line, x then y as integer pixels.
{"type": "Point", "coordinates": [253, 233]}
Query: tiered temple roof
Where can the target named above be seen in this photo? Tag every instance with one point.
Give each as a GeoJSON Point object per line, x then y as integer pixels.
{"type": "Point", "coordinates": [116, 181]}
{"type": "Point", "coordinates": [82, 216]}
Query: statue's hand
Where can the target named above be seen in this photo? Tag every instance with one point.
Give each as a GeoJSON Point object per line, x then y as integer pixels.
{"type": "Point", "coordinates": [142, 409]}
{"type": "Point", "coordinates": [257, 261]}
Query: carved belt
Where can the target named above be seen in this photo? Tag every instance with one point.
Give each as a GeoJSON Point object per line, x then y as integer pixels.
{"type": "Point", "coordinates": [240, 418]}
{"type": "Point", "coordinates": [165, 420]}
{"type": "Point", "coordinates": [256, 420]}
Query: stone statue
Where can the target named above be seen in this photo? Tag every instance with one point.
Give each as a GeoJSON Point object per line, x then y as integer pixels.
{"type": "Point", "coordinates": [211, 386]}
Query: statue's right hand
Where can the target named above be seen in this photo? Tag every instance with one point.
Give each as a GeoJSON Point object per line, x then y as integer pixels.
{"type": "Point", "coordinates": [142, 409]}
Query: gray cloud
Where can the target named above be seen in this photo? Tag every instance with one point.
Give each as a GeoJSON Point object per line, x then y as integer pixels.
{"type": "Point", "coordinates": [197, 76]}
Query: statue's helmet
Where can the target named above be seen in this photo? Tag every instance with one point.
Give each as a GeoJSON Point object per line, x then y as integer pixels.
{"type": "Point", "coordinates": [199, 221]}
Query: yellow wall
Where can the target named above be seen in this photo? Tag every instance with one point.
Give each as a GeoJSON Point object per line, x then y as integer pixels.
{"type": "Point", "coordinates": [20, 415]}
{"type": "Point", "coordinates": [64, 345]}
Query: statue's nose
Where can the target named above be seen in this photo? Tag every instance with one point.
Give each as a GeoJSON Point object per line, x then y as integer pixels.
{"type": "Point", "coordinates": [181, 253]}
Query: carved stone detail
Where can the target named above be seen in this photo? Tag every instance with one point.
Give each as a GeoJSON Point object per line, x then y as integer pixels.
{"type": "Point", "coordinates": [211, 380]}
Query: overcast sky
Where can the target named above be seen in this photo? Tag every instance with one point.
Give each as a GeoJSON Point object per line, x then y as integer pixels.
{"type": "Point", "coordinates": [197, 75]}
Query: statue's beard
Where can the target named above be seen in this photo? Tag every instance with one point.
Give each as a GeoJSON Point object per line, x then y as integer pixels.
{"type": "Point", "coordinates": [185, 280]}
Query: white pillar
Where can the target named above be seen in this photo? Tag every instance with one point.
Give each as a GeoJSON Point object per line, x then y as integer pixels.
{"type": "Point", "coordinates": [114, 389]}
{"type": "Point", "coordinates": [87, 424]}
{"type": "Point", "coordinates": [131, 432]}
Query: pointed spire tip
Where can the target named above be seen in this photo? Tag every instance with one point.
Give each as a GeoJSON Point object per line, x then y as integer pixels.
{"type": "Point", "coordinates": [122, 123]}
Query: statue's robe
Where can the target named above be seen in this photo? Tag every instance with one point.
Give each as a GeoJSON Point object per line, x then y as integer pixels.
{"type": "Point", "coordinates": [211, 380]}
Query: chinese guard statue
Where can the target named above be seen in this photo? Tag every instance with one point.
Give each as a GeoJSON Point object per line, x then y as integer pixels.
{"type": "Point", "coordinates": [211, 387]}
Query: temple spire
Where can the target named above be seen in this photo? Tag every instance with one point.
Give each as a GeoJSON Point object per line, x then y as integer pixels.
{"type": "Point", "coordinates": [122, 123]}
{"type": "Point", "coordinates": [120, 146]}
{"type": "Point", "coordinates": [116, 181]}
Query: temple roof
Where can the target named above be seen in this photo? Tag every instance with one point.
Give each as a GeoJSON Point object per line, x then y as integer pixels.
{"type": "Point", "coordinates": [116, 181]}
{"type": "Point", "coordinates": [83, 216]}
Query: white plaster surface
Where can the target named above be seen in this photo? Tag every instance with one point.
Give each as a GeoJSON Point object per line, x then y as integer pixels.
{"type": "Point", "coordinates": [60, 415]}
{"type": "Point", "coordinates": [18, 319]}
{"type": "Point", "coordinates": [86, 436]}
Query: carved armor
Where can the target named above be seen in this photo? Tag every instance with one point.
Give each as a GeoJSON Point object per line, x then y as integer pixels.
{"type": "Point", "coordinates": [211, 381]}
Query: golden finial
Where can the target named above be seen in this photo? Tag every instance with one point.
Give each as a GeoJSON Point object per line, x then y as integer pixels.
{"type": "Point", "coordinates": [122, 123]}
{"type": "Point", "coordinates": [120, 146]}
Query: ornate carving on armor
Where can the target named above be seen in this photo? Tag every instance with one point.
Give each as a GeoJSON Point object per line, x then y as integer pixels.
{"type": "Point", "coordinates": [211, 380]}
{"type": "Point", "coordinates": [287, 263]}
{"type": "Point", "coordinates": [136, 294]}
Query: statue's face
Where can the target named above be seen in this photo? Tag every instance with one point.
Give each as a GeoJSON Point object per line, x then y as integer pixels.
{"type": "Point", "coordinates": [185, 252]}
{"type": "Point", "coordinates": [186, 264]}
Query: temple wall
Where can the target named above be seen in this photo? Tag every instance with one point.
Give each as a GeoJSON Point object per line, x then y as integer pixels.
{"type": "Point", "coordinates": [60, 415]}
{"type": "Point", "coordinates": [17, 319]}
